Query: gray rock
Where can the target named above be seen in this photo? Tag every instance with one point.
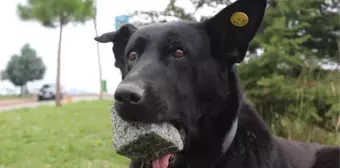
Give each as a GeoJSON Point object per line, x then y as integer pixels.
{"type": "Point", "coordinates": [144, 141]}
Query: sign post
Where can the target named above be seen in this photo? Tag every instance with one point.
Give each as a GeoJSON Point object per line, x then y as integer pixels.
{"type": "Point", "coordinates": [121, 20]}
{"type": "Point", "coordinates": [104, 83]}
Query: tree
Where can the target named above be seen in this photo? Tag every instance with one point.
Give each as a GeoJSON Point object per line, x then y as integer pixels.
{"type": "Point", "coordinates": [317, 19]}
{"type": "Point", "coordinates": [24, 68]}
{"type": "Point", "coordinates": [57, 13]}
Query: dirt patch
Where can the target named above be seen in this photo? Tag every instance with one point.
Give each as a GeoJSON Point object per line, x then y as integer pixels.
{"type": "Point", "coordinates": [14, 102]}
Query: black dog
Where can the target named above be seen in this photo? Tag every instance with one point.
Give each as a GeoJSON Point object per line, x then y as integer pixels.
{"type": "Point", "coordinates": [184, 73]}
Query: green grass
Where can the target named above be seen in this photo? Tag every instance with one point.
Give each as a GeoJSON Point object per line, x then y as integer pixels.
{"type": "Point", "coordinates": [78, 135]}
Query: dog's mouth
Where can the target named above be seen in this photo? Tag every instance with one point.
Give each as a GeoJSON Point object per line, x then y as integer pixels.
{"type": "Point", "coordinates": [170, 159]}
{"type": "Point", "coordinates": [167, 160]}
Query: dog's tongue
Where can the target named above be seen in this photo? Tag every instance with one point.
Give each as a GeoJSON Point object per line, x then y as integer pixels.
{"type": "Point", "coordinates": [162, 162]}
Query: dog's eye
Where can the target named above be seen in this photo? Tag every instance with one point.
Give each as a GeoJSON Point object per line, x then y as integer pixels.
{"type": "Point", "coordinates": [178, 53]}
{"type": "Point", "coordinates": [132, 55]}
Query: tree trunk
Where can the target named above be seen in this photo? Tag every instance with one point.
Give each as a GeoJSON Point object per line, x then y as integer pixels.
{"type": "Point", "coordinates": [99, 63]}
{"type": "Point", "coordinates": [21, 90]}
{"type": "Point", "coordinates": [58, 100]}
{"type": "Point", "coordinates": [26, 91]}
{"type": "Point", "coordinates": [337, 126]}
{"type": "Point", "coordinates": [310, 134]}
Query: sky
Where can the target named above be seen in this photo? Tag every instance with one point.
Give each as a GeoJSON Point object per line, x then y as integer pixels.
{"type": "Point", "coordinates": [79, 64]}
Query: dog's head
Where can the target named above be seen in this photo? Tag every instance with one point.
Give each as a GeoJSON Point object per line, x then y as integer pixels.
{"type": "Point", "coordinates": [178, 71]}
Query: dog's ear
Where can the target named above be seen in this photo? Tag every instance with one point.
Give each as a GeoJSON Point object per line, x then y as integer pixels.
{"type": "Point", "coordinates": [119, 39]}
{"type": "Point", "coordinates": [106, 37]}
{"type": "Point", "coordinates": [231, 30]}
{"type": "Point", "coordinates": [122, 34]}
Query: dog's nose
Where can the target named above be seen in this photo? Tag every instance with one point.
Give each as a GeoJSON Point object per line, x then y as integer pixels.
{"type": "Point", "coordinates": [129, 93]}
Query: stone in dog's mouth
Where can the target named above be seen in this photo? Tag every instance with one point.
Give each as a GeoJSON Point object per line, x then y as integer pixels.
{"type": "Point", "coordinates": [155, 143]}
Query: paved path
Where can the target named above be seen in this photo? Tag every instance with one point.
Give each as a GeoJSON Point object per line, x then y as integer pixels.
{"type": "Point", "coordinates": [32, 104]}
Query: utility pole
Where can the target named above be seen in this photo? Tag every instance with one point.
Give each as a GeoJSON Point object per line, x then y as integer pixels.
{"type": "Point", "coordinates": [98, 53]}
{"type": "Point", "coordinates": [58, 96]}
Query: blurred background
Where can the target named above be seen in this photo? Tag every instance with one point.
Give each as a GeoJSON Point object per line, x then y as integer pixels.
{"type": "Point", "coordinates": [291, 73]}
{"type": "Point", "coordinates": [79, 56]}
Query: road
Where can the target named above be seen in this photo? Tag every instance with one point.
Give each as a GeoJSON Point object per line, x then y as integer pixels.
{"type": "Point", "coordinates": [33, 103]}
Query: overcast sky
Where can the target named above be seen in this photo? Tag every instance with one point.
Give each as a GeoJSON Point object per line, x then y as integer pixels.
{"type": "Point", "coordinates": [79, 60]}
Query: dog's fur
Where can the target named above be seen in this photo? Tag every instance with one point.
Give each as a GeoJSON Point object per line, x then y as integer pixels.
{"type": "Point", "coordinates": [200, 92]}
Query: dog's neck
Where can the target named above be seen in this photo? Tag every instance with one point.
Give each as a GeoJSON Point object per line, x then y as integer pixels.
{"type": "Point", "coordinates": [253, 138]}
{"type": "Point", "coordinates": [236, 98]}
{"type": "Point", "coordinates": [218, 125]}
{"type": "Point", "coordinates": [225, 117]}
{"type": "Point", "coordinates": [228, 131]}
{"type": "Point", "coordinates": [247, 138]}
{"type": "Point", "coordinates": [229, 137]}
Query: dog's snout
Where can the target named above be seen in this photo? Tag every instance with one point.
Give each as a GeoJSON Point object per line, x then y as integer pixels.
{"type": "Point", "coordinates": [134, 101]}
{"type": "Point", "coordinates": [129, 93]}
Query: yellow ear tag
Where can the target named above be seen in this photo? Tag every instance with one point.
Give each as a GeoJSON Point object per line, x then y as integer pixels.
{"type": "Point", "coordinates": [239, 19]}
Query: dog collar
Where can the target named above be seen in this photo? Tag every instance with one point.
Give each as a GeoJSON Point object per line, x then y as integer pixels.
{"type": "Point", "coordinates": [229, 137]}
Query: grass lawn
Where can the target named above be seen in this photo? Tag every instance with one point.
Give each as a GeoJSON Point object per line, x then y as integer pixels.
{"type": "Point", "coordinates": [78, 135]}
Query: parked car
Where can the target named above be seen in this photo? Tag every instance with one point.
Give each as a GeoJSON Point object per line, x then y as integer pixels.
{"type": "Point", "coordinates": [48, 92]}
